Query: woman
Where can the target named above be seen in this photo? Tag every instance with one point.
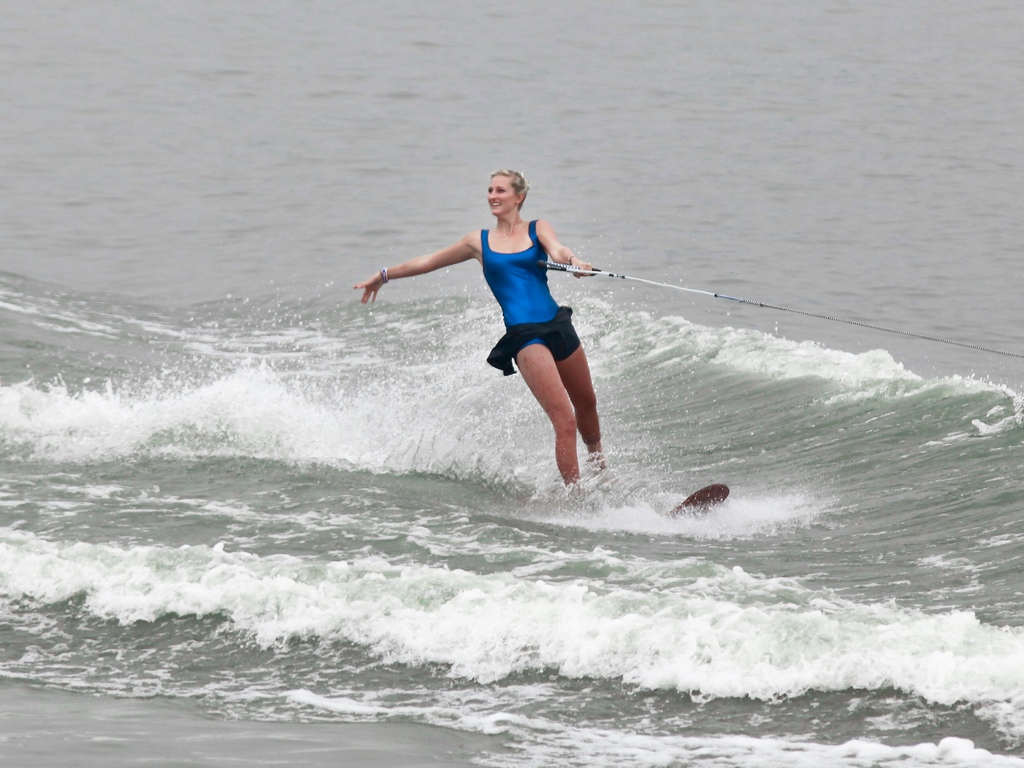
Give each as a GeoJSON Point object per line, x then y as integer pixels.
{"type": "Point", "coordinates": [539, 334]}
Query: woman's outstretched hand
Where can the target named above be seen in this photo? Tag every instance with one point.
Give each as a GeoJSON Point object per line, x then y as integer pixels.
{"type": "Point", "coordinates": [370, 287]}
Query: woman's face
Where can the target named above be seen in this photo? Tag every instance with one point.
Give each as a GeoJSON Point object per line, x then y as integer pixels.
{"type": "Point", "coordinates": [501, 197]}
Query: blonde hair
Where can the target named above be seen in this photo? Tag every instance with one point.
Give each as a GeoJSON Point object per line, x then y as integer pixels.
{"type": "Point", "coordinates": [519, 183]}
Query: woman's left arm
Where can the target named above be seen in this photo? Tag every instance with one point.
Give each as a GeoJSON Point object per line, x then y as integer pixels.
{"type": "Point", "coordinates": [559, 253]}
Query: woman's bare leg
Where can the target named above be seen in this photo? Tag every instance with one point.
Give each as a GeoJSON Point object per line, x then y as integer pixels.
{"type": "Point", "coordinates": [542, 375]}
{"type": "Point", "coordinates": [575, 374]}
{"type": "Point", "coordinates": [565, 391]}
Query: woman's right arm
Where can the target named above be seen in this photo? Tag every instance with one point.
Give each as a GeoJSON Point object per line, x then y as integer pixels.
{"type": "Point", "coordinates": [465, 249]}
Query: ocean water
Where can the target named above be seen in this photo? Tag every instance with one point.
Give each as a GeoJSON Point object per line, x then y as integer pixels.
{"type": "Point", "coordinates": [245, 517]}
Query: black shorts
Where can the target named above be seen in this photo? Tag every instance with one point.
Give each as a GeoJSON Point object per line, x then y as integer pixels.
{"type": "Point", "coordinates": [557, 334]}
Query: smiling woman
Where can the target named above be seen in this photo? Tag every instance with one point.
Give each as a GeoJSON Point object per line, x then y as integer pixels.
{"type": "Point", "coordinates": [539, 335]}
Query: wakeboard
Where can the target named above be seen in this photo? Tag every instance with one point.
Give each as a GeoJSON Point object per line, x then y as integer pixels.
{"type": "Point", "coordinates": [702, 502]}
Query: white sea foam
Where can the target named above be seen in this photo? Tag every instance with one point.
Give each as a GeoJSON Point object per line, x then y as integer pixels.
{"type": "Point", "coordinates": [860, 375]}
{"type": "Point", "coordinates": [547, 743]}
{"type": "Point", "coordinates": [579, 747]}
{"type": "Point", "coordinates": [728, 634]}
{"type": "Point", "coordinates": [255, 412]}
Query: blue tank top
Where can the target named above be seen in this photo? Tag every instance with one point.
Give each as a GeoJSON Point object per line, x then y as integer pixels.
{"type": "Point", "coordinates": [518, 282]}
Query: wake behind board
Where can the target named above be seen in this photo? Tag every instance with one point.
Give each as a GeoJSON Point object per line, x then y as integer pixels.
{"type": "Point", "coordinates": [702, 502]}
